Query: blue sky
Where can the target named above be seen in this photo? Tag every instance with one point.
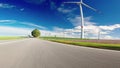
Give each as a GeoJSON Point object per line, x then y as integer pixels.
{"type": "Point", "coordinates": [53, 17]}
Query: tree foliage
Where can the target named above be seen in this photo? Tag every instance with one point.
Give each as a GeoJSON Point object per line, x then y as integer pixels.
{"type": "Point", "coordinates": [35, 33]}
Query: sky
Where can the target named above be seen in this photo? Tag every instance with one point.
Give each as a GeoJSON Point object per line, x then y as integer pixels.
{"type": "Point", "coordinates": [54, 18]}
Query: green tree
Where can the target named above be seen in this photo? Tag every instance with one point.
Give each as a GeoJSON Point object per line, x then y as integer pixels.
{"type": "Point", "coordinates": [35, 33]}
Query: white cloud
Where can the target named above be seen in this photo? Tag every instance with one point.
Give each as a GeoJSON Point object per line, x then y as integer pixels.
{"type": "Point", "coordinates": [59, 32]}
{"type": "Point", "coordinates": [10, 30]}
{"type": "Point", "coordinates": [77, 19]}
{"type": "Point", "coordinates": [110, 27]}
{"type": "Point", "coordinates": [33, 25]}
{"type": "Point", "coordinates": [107, 37]}
{"type": "Point", "coordinates": [2, 5]}
{"type": "Point", "coordinates": [23, 23]}
{"type": "Point", "coordinates": [15, 31]}
{"type": "Point", "coordinates": [64, 10]}
{"type": "Point", "coordinates": [49, 33]}
{"type": "Point", "coordinates": [91, 29]}
{"type": "Point", "coordinates": [7, 21]}
{"type": "Point", "coordinates": [57, 29]}
{"type": "Point", "coordinates": [35, 1]}
{"type": "Point", "coordinates": [6, 30]}
{"type": "Point", "coordinates": [75, 33]}
{"type": "Point", "coordinates": [22, 9]}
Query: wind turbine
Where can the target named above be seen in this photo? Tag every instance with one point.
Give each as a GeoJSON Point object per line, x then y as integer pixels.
{"type": "Point", "coordinates": [81, 12]}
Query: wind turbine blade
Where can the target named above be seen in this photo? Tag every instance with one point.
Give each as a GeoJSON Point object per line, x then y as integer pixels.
{"type": "Point", "coordinates": [81, 0]}
{"type": "Point", "coordinates": [89, 7]}
{"type": "Point", "coordinates": [73, 2]}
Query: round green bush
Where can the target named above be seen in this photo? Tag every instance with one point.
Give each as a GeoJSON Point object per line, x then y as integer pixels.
{"type": "Point", "coordinates": [35, 33]}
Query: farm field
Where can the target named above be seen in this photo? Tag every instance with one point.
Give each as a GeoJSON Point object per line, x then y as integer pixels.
{"type": "Point", "coordinates": [104, 44]}
{"type": "Point", "coordinates": [100, 41]}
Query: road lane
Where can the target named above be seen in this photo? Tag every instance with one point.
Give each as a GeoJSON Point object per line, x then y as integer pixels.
{"type": "Point", "coordinates": [35, 53]}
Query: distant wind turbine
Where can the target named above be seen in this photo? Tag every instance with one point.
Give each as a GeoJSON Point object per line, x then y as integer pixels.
{"type": "Point", "coordinates": [81, 12]}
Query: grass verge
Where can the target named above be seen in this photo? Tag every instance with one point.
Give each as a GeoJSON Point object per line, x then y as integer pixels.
{"type": "Point", "coordinates": [10, 37]}
{"type": "Point", "coordinates": [86, 44]}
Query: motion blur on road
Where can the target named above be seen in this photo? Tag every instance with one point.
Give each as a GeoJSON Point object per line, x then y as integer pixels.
{"type": "Point", "coordinates": [36, 53]}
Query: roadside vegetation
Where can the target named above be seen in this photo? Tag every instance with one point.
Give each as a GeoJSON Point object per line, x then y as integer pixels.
{"type": "Point", "coordinates": [78, 42]}
{"type": "Point", "coordinates": [11, 37]}
{"type": "Point", "coordinates": [35, 33]}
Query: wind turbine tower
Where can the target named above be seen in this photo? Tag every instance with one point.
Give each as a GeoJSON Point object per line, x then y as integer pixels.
{"type": "Point", "coordinates": [81, 3]}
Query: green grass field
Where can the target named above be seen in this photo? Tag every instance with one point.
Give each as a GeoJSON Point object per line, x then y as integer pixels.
{"type": "Point", "coordinates": [61, 38]}
{"type": "Point", "coordinates": [10, 37]}
{"type": "Point", "coordinates": [86, 44]}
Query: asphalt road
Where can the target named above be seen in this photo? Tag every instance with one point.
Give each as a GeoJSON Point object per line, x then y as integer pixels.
{"type": "Point", "coordinates": [35, 53]}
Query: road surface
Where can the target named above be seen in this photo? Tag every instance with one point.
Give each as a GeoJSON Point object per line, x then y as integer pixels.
{"type": "Point", "coordinates": [36, 53]}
